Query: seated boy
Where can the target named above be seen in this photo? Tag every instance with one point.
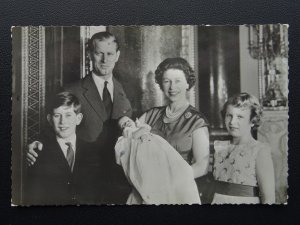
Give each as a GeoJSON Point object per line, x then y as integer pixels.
{"type": "Point", "coordinates": [67, 171]}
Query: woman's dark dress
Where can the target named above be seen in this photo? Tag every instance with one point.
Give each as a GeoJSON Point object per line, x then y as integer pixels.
{"type": "Point", "coordinates": [180, 132]}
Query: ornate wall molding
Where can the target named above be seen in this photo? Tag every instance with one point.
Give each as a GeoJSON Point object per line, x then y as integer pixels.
{"type": "Point", "coordinates": [269, 45]}
{"type": "Point", "coordinates": [33, 82]}
{"type": "Point", "coordinates": [188, 53]}
{"type": "Point", "coordinates": [274, 130]}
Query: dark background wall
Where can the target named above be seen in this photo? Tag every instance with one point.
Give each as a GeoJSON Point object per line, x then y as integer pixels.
{"type": "Point", "coordinates": [219, 69]}
{"type": "Point", "coordinates": [142, 49]}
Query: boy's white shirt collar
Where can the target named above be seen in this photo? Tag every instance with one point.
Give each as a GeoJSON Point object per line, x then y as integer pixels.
{"type": "Point", "coordinates": [99, 81]}
{"type": "Point", "coordinates": [62, 143]}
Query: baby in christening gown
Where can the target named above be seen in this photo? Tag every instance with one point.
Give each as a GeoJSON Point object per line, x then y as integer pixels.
{"type": "Point", "coordinates": [157, 172]}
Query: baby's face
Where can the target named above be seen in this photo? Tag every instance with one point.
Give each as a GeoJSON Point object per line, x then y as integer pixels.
{"type": "Point", "coordinates": [126, 122]}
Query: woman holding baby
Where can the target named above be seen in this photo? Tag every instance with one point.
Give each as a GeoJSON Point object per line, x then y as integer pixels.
{"type": "Point", "coordinates": [179, 123]}
{"type": "Point", "coordinates": [185, 152]}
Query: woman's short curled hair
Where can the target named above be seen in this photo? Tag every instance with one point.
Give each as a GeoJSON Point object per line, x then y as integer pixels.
{"type": "Point", "coordinates": [175, 63]}
{"type": "Point", "coordinates": [245, 100]}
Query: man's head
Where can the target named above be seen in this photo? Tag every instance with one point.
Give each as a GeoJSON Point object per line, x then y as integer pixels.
{"type": "Point", "coordinates": [104, 52]}
{"type": "Point", "coordinates": [64, 114]}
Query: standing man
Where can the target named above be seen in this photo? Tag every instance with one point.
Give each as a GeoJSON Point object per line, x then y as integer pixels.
{"type": "Point", "coordinates": [103, 101]}
{"type": "Point", "coordinates": [101, 95]}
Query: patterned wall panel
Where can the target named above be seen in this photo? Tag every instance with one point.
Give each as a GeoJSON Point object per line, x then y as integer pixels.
{"type": "Point", "coordinates": [188, 53]}
{"type": "Point", "coordinates": [274, 130]}
{"type": "Point", "coordinates": [33, 78]}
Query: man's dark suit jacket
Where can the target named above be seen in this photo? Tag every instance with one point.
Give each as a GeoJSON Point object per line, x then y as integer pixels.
{"type": "Point", "coordinates": [51, 182]}
{"type": "Point", "coordinates": [93, 109]}
{"type": "Point", "coordinates": [98, 128]}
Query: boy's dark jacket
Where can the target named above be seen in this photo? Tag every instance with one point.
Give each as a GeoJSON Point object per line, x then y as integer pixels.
{"type": "Point", "coordinates": [51, 182]}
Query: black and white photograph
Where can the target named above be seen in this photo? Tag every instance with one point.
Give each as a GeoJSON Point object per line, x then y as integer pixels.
{"type": "Point", "coordinates": [150, 115]}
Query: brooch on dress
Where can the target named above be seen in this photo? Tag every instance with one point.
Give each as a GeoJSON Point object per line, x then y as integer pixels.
{"type": "Point", "coordinates": [188, 115]}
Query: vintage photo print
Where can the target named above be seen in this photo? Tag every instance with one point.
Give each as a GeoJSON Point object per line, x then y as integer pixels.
{"type": "Point", "coordinates": [149, 115]}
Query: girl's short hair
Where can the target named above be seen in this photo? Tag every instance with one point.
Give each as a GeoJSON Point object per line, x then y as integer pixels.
{"type": "Point", "coordinates": [245, 100]}
{"type": "Point", "coordinates": [175, 63]}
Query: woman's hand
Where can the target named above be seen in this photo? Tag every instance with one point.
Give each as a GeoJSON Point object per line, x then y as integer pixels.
{"type": "Point", "coordinates": [144, 129]}
{"type": "Point", "coordinates": [200, 151]}
{"type": "Point", "coordinates": [127, 132]}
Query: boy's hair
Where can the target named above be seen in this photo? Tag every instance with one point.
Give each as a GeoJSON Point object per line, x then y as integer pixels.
{"type": "Point", "coordinates": [64, 99]}
{"type": "Point", "coordinates": [245, 100]}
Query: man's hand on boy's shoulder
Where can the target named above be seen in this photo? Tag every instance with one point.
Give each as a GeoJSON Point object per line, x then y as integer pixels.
{"type": "Point", "coordinates": [32, 152]}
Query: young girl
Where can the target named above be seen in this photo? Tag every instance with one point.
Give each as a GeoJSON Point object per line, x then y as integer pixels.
{"type": "Point", "coordinates": [243, 167]}
{"type": "Point", "coordinates": [157, 172]}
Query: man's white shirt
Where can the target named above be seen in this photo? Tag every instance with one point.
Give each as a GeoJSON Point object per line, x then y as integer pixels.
{"type": "Point", "coordinates": [99, 81]}
{"type": "Point", "coordinates": [64, 147]}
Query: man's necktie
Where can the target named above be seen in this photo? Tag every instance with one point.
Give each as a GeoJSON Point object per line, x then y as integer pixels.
{"type": "Point", "coordinates": [70, 155]}
{"type": "Point", "coordinates": [107, 100]}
